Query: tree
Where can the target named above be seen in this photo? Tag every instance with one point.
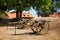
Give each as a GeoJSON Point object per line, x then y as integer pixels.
{"type": "Point", "coordinates": [2, 14]}
{"type": "Point", "coordinates": [21, 5]}
{"type": "Point", "coordinates": [58, 3]}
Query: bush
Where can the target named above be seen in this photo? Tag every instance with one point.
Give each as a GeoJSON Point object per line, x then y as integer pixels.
{"type": "Point", "coordinates": [2, 14]}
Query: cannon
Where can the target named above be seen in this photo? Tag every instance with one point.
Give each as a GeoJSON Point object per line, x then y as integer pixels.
{"type": "Point", "coordinates": [37, 25]}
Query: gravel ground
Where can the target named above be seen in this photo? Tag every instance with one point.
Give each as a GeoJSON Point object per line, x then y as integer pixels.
{"type": "Point", "coordinates": [27, 34]}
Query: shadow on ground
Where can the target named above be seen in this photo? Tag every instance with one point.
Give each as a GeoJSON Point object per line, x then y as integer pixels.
{"type": "Point", "coordinates": [29, 33]}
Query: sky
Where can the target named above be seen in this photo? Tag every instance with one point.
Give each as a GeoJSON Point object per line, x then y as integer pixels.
{"type": "Point", "coordinates": [33, 12]}
{"type": "Point", "coordinates": [58, 10]}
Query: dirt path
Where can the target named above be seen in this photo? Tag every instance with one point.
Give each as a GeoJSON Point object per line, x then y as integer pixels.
{"type": "Point", "coordinates": [27, 34]}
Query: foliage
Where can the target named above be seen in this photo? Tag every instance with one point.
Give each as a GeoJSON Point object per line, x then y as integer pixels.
{"type": "Point", "coordinates": [58, 3]}
{"type": "Point", "coordinates": [44, 7]}
{"type": "Point", "coordinates": [2, 14]}
{"type": "Point", "coordinates": [25, 4]}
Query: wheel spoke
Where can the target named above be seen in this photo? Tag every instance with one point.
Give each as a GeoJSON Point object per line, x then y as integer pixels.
{"type": "Point", "coordinates": [45, 29]}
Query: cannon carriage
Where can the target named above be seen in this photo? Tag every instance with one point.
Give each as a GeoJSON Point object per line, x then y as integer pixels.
{"type": "Point", "coordinates": [37, 25]}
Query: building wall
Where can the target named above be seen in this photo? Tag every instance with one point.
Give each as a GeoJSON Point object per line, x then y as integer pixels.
{"type": "Point", "coordinates": [53, 15]}
{"type": "Point", "coordinates": [11, 15]}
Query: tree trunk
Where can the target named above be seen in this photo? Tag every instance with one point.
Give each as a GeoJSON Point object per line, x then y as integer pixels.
{"type": "Point", "coordinates": [18, 14]}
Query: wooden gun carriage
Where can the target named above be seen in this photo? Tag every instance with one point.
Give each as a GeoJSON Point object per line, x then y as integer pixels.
{"type": "Point", "coordinates": [37, 25]}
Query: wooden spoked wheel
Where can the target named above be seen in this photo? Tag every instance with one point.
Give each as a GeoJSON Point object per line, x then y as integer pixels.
{"type": "Point", "coordinates": [40, 28]}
